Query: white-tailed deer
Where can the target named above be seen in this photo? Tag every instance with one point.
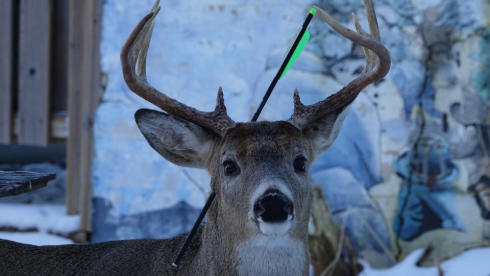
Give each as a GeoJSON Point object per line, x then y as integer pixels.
{"type": "Point", "coordinates": [257, 224]}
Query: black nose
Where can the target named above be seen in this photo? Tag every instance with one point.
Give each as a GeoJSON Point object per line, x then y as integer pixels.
{"type": "Point", "coordinates": [273, 207]}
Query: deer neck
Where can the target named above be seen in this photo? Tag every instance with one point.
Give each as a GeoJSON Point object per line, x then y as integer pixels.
{"type": "Point", "coordinates": [229, 249]}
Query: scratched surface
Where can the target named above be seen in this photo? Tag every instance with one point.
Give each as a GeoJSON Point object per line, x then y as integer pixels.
{"type": "Point", "coordinates": [15, 183]}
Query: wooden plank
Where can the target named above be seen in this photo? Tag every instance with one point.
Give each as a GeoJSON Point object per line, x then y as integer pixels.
{"type": "Point", "coordinates": [16, 183]}
{"type": "Point", "coordinates": [87, 118]}
{"type": "Point", "coordinates": [6, 42]}
{"type": "Point", "coordinates": [83, 98]}
{"type": "Point", "coordinates": [75, 90]}
{"type": "Point", "coordinates": [95, 91]}
{"type": "Point", "coordinates": [33, 74]}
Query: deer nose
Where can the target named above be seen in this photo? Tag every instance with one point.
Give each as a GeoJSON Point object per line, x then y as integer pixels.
{"type": "Point", "coordinates": [273, 207]}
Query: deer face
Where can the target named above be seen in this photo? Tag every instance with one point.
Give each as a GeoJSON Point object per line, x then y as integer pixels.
{"type": "Point", "coordinates": [263, 176]}
{"type": "Point", "coordinates": [259, 170]}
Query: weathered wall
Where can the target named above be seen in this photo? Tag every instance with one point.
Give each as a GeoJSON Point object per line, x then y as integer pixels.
{"type": "Point", "coordinates": [410, 160]}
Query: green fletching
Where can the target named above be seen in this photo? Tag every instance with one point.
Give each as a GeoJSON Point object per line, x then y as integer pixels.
{"type": "Point", "coordinates": [299, 49]}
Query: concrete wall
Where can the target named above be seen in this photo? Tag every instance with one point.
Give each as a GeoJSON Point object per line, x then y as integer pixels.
{"type": "Point", "coordinates": [413, 149]}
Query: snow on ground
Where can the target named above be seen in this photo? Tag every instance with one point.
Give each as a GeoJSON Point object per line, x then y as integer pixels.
{"type": "Point", "coordinates": [44, 218]}
{"type": "Point", "coordinates": [35, 238]}
{"type": "Point", "coordinates": [474, 262]}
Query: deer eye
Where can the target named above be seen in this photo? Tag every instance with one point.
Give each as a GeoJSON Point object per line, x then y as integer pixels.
{"type": "Point", "coordinates": [230, 167]}
{"type": "Point", "coordinates": [299, 164]}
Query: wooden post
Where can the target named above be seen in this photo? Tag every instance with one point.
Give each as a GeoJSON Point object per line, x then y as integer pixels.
{"type": "Point", "coordinates": [90, 102]}
{"type": "Point", "coordinates": [75, 87]}
{"type": "Point", "coordinates": [34, 69]}
{"type": "Point", "coordinates": [95, 99]}
{"type": "Point", "coordinates": [6, 42]}
{"type": "Point", "coordinates": [83, 99]}
{"type": "Point", "coordinates": [85, 161]}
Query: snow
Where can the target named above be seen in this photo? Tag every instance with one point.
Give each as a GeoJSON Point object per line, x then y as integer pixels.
{"type": "Point", "coordinates": [35, 238]}
{"type": "Point", "coordinates": [44, 218]}
{"type": "Point", "coordinates": [474, 262]}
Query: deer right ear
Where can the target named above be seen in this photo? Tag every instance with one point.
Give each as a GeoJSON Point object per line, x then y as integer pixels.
{"type": "Point", "coordinates": [180, 142]}
{"type": "Point", "coordinates": [323, 132]}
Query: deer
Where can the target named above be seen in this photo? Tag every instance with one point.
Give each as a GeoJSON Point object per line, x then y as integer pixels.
{"type": "Point", "coordinates": [258, 221]}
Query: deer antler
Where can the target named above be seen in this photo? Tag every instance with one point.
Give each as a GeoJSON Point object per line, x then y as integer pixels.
{"type": "Point", "coordinates": [378, 64]}
{"type": "Point", "coordinates": [135, 50]}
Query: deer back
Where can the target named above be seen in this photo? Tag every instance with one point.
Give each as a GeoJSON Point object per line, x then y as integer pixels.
{"type": "Point", "coordinates": [126, 257]}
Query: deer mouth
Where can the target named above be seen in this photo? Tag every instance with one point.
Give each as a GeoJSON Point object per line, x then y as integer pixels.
{"type": "Point", "coordinates": [274, 213]}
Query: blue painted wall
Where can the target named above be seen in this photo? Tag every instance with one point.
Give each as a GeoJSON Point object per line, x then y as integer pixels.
{"type": "Point", "coordinates": [410, 159]}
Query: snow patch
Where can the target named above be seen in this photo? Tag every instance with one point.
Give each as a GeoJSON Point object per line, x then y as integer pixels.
{"type": "Point", "coordinates": [473, 262]}
{"type": "Point", "coordinates": [35, 238]}
{"type": "Point", "coordinates": [44, 218]}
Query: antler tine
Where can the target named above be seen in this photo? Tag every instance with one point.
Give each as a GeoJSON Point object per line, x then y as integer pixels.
{"type": "Point", "coordinates": [378, 64]}
{"type": "Point", "coordinates": [145, 40]}
{"type": "Point", "coordinates": [134, 51]}
{"type": "Point", "coordinates": [372, 20]}
{"type": "Point", "coordinates": [370, 56]}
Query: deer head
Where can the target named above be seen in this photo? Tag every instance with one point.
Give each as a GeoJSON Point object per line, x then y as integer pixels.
{"type": "Point", "coordinates": [259, 170]}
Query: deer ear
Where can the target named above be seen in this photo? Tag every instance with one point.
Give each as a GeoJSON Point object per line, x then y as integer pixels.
{"type": "Point", "coordinates": [180, 142]}
{"type": "Point", "coordinates": [323, 132]}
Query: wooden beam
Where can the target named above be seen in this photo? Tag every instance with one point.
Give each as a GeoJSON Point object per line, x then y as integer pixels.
{"type": "Point", "coordinates": [6, 42]}
{"type": "Point", "coordinates": [84, 91]}
{"type": "Point", "coordinates": [34, 69]}
{"type": "Point", "coordinates": [95, 98]}
{"type": "Point", "coordinates": [75, 89]}
{"type": "Point", "coordinates": [93, 17]}
{"type": "Point", "coordinates": [85, 116]}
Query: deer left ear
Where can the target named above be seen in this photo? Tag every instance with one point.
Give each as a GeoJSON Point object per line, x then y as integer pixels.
{"type": "Point", "coordinates": [323, 132]}
{"type": "Point", "coordinates": [180, 142]}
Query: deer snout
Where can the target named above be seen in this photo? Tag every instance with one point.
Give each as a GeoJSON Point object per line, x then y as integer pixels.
{"type": "Point", "coordinates": [273, 207]}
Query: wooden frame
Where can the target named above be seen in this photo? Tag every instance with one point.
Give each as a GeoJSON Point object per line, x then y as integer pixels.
{"type": "Point", "coordinates": [50, 84]}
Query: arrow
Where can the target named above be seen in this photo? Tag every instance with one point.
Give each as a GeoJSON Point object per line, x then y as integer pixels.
{"type": "Point", "coordinates": [295, 47]}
